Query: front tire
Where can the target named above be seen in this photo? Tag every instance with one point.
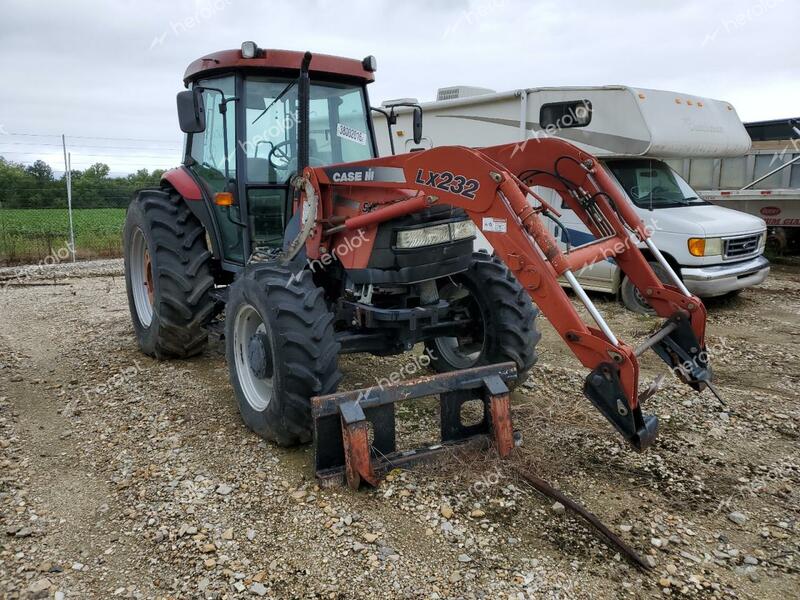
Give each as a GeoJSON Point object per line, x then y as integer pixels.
{"type": "Point", "coordinates": [633, 299]}
{"type": "Point", "coordinates": [281, 351]}
{"type": "Point", "coordinates": [503, 320]}
{"type": "Point", "coordinates": [167, 275]}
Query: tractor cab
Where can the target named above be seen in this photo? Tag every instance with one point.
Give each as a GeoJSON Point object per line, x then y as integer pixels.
{"type": "Point", "coordinates": [254, 118]}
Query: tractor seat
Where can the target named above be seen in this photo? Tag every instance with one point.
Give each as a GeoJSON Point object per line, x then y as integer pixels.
{"type": "Point", "coordinates": [258, 170]}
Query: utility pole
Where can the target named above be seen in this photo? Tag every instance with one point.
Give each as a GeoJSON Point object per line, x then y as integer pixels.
{"type": "Point", "coordinates": [68, 176]}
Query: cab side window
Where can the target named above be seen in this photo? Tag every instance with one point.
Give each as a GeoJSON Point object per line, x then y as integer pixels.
{"type": "Point", "coordinates": [209, 153]}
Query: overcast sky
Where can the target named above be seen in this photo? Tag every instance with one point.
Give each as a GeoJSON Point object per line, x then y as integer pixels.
{"type": "Point", "coordinates": [110, 69]}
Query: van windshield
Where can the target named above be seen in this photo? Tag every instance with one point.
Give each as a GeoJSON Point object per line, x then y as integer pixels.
{"type": "Point", "coordinates": [652, 183]}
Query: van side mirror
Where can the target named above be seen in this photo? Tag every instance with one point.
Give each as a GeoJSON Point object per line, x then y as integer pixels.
{"type": "Point", "coordinates": [191, 111]}
{"type": "Point", "coordinates": [417, 124]}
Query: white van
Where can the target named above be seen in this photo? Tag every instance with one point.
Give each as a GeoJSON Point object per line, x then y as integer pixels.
{"type": "Point", "coordinates": [715, 250]}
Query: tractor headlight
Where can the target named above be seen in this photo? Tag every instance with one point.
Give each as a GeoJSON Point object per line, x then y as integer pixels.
{"type": "Point", "coordinates": [426, 236]}
{"type": "Point", "coordinates": [370, 64]}
{"type": "Point", "coordinates": [705, 246]}
{"type": "Point", "coordinates": [436, 234]}
{"type": "Point", "coordinates": [249, 50]}
{"type": "Point", "coordinates": [462, 230]}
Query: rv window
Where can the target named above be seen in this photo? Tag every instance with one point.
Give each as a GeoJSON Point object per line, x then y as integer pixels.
{"type": "Point", "coordinates": [563, 115]}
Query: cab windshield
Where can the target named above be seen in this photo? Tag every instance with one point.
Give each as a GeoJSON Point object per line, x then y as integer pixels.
{"type": "Point", "coordinates": [339, 130]}
{"type": "Point", "coordinates": [653, 184]}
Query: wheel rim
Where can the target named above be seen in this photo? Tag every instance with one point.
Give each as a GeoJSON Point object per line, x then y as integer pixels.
{"type": "Point", "coordinates": [662, 276]}
{"type": "Point", "coordinates": [637, 295]}
{"type": "Point", "coordinates": [142, 283]}
{"type": "Point", "coordinates": [460, 353]}
{"type": "Point", "coordinates": [257, 391]}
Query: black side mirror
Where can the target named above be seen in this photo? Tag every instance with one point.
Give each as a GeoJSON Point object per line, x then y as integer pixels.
{"type": "Point", "coordinates": [417, 124]}
{"type": "Point", "coordinates": [191, 111]}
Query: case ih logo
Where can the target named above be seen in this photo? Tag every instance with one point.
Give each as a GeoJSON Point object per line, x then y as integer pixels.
{"type": "Point", "coordinates": [366, 174]}
{"type": "Point", "coordinates": [770, 211]}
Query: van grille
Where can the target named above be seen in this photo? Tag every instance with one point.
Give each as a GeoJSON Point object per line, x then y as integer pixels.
{"type": "Point", "coordinates": [741, 247]}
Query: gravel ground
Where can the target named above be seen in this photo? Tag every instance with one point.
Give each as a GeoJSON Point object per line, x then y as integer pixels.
{"type": "Point", "coordinates": [122, 476]}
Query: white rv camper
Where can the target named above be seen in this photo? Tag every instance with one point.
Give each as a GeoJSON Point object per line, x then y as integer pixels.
{"type": "Point", "coordinates": [715, 250]}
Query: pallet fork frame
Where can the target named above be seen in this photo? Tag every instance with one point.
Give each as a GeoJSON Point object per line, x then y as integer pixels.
{"type": "Point", "coordinates": [342, 421]}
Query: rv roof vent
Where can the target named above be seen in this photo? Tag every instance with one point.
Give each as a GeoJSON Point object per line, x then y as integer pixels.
{"type": "Point", "coordinates": [395, 101]}
{"type": "Point", "coordinates": [461, 91]}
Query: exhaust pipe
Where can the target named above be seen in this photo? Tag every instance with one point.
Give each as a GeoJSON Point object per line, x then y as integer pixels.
{"type": "Point", "coordinates": [303, 98]}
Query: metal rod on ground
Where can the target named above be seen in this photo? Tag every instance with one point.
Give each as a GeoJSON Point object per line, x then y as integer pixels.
{"type": "Point", "coordinates": [68, 178]}
{"type": "Point", "coordinates": [545, 488]}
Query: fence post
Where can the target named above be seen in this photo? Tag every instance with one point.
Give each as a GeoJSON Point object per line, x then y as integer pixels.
{"type": "Point", "coordinates": [68, 176]}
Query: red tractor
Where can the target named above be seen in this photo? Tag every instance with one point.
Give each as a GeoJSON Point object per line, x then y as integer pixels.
{"type": "Point", "coordinates": [283, 218]}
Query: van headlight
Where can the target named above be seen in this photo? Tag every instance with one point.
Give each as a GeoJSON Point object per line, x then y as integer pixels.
{"type": "Point", "coordinates": [435, 234]}
{"type": "Point", "coordinates": [705, 246]}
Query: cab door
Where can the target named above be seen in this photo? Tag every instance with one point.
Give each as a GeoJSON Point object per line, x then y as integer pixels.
{"type": "Point", "coordinates": [209, 151]}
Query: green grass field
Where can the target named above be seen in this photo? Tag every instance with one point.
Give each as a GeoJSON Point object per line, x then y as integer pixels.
{"type": "Point", "coordinates": [31, 235]}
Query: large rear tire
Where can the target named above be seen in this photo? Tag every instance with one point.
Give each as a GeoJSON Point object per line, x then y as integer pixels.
{"type": "Point", "coordinates": [167, 275]}
{"type": "Point", "coordinates": [503, 320]}
{"type": "Point", "coordinates": [281, 351]}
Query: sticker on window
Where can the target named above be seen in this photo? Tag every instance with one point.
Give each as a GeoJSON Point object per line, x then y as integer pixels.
{"type": "Point", "coordinates": [494, 225]}
{"type": "Point", "coordinates": [354, 135]}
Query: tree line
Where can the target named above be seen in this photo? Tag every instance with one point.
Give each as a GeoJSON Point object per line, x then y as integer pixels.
{"type": "Point", "coordinates": [36, 186]}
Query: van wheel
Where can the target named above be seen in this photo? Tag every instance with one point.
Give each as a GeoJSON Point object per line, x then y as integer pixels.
{"type": "Point", "coordinates": [633, 299]}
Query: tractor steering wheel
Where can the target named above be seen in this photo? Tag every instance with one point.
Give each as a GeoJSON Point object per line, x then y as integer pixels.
{"type": "Point", "coordinates": [280, 156]}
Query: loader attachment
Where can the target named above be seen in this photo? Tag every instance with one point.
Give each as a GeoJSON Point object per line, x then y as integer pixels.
{"type": "Point", "coordinates": [680, 349]}
{"type": "Point", "coordinates": [345, 451]}
{"type": "Point", "coordinates": [494, 186]}
{"type": "Point", "coordinates": [683, 353]}
{"type": "Point", "coordinates": [603, 388]}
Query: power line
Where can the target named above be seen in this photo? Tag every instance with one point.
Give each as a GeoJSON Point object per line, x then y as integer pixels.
{"type": "Point", "coordinates": [161, 156]}
{"type": "Point", "coordinates": [91, 137]}
{"type": "Point", "coordinates": [82, 188]}
{"type": "Point", "coordinates": [82, 146]}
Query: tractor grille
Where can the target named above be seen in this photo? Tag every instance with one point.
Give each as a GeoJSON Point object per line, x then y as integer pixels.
{"type": "Point", "coordinates": [741, 247]}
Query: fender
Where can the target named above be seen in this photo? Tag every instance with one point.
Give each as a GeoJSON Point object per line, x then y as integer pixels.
{"type": "Point", "coordinates": [182, 181]}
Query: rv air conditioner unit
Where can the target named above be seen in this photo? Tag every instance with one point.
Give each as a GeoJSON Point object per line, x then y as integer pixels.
{"type": "Point", "coordinates": [461, 91]}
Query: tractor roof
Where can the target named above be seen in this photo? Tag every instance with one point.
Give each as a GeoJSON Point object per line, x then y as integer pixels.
{"type": "Point", "coordinates": [276, 60]}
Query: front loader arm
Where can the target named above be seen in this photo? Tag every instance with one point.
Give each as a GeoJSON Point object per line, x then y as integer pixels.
{"type": "Point", "coordinates": [486, 185]}
{"type": "Point", "coordinates": [587, 189]}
